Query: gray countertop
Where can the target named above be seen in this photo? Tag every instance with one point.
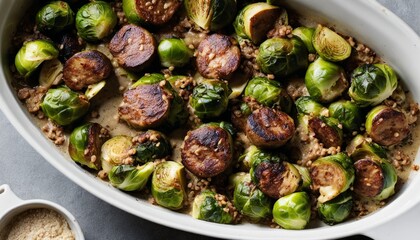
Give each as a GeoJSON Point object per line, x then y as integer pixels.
{"type": "Point", "coordinates": [30, 176]}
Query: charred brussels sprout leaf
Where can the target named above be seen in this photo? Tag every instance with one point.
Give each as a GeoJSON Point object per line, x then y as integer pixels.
{"type": "Point", "coordinates": [325, 80]}
{"type": "Point", "coordinates": [64, 106]}
{"type": "Point", "coordinates": [305, 34]}
{"type": "Point", "coordinates": [32, 54]}
{"type": "Point", "coordinates": [210, 98]}
{"type": "Point", "coordinates": [54, 17]}
{"type": "Point", "coordinates": [329, 45]}
{"type": "Point", "coordinates": [347, 113]}
{"type": "Point", "coordinates": [211, 15]}
{"type": "Point", "coordinates": [337, 209]}
{"type": "Point", "coordinates": [151, 145]}
{"type": "Point", "coordinates": [292, 211]}
{"type": "Point", "coordinates": [130, 178]}
{"type": "Point", "coordinates": [372, 84]}
{"type": "Point", "coordinates": [207, 208]}
{"type": "Point", "coordinates": [168, 185]}
{"type": "Point", "coordinates": [281, 56]}
{"type": "Point", "coordinates": [95, 21]}
{"type": "Point", "coordinates": [174, 52]}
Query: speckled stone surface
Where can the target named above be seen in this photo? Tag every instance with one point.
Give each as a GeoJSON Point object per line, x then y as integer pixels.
{"type": "Point", "coordinates": [30, 176]}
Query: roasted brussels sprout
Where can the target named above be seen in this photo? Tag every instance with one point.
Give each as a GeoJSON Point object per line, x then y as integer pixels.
{"type": "Point", "coordinates": [360, 147]}
{"type": "Point", "coordinates": [174, 52]}
{"type": "Point", "coordinates": [281, 56]}
{"type": "Point", "coordinates": [337, 209]}
{"type": "Point", "coordinates": [85, 144]}
{"type": "Point", "coordinates": [347, 113]}
{"type": "Point", "coordinates": [155, 12]}
{"type": "Point", "coordinates": [386, 126]}
{"type": "Point", "coordinates": [54, 17]}
{"type": "Point", "coordinates": [116, 151]}
{"type": "Point", "coordinates": [372, 83]}
{"type": "Point", "coordinates": [208, 150]}
{"type": "Point", "coordinates": [207, 207]}
{"type": "Point", "coordinates": [151, 145]}
{"type": "Point", "coordinates": [273, 175]}
{"type": "Point", "coordinates": [51, 73]}
{"type": "Point", "coordinates": [306, 105]}
{"type": "Point", "coordinates": [32, 54]}
{"type": "Point", "coordinates": [211, 15]}
{"type": "Point", "coordinates": [210, 98]}
{"type": "Point", "coordinates": [325, 80]}
{"type": "Point", "coordinates": [268, 93]}
{"type": "Point", "coordinates": [332, 175]}
{"type": "Point", "coordinates": [255, 20]}
{"type": "Point", "coordinates": [249, 200]}
{"type": "Point", "coordinates": [375, 178]}
{"type": "Point", "coordinates": [305, 34]}
{"type": "Point", "coordinates": [130, 178]}
{"type": "Point", "coordinates": [95, 21]}
{"type": "Point", "coordinates": [326, 131]}
{"type": "Point", "coordinates": [169, 185]}
{"type": "Point", "coordinates": [329, 45]}
{"type": "Point", "coordinates": [292, 211]}
{"type": "Point", "coordinates": [64, 106]}
{"type": "Point", "coordinates": [305, 176]}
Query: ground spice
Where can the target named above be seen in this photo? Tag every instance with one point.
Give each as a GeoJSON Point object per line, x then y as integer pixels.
{"type": "Point", "coordinates": [37, 224]}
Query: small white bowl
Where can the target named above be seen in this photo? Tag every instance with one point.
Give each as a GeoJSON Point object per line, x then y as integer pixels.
{"type": "Point", "coordinates": [11, 206]}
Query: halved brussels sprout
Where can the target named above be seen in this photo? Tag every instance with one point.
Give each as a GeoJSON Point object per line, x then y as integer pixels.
{"type": "Point", "coordinates": [174, 52]}
{"type": "Point", "coordinates": [337, 209]}
{"type": "Point", "coordinates": [292, 211]}
{"type": "Point", "coordinates": [386, 126]}
{"type": "Point", "coordinates": [255, 20]}
{"type": "Point", "coordinates": [210, 98]}
{"type": "Point", "coordinates": [268, 93]}
{"type": "Point", "coordinates": [85, 144]}
{"type": "Point", "coordinates": [32, 54]}
{"type": "Point", "coordinates": [64, 106]}
{"type": "Point", "coordinates": [54, 17]}
{"type": "Point", "coordinates": [281, 56]}
{"type": "Point", "coordinates": [151, 145]}
{"type": "Point", "coordinates": [325, 80]}
{"type": "Point", "coordinates": [211, 15]}
{"type": "Point", "coordinates": [305, 34]}
{"type": "Point", "coordinates": [360, 147]}
{"type": "Point", "coordinates": [95, 21]}
{"type": "Point", "coordinates": [329, 45]}
{"type": "Point", "coordinates": [306, 105]}
{"type": "Point", "coordinates": [115, 151]}
{"type": "Point", "coordinates": [347, 113]}
{"type": "Point", "coordinates": [206, 207]}
{"type": "Point", "coordinates": [372, 83]}
{"type": "Point", "coordinates": [332, 175]}
{"type": "Point", "coordinates": [248, 199]}
{"type": "Point", "coordinates": [169, 185]}
{"type": "Point", "coordinates": [130, 178]}
{"type": "Point", "coordinates": [51, 73]}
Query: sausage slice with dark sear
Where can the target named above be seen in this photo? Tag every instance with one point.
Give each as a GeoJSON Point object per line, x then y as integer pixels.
{"type": "Point", "coordinates": [269, 128]}
{"type": "Point", "coordinates": [369, 178]}
{"type": "Point", "coordinates": [207, 151]}
{"type": "Point", "coordinates": [86, 68]}
{"type": "Point", "coordinates": [327, 135]}
{"type": "Point", "coordinates": [389, 127]}
{"type": "Point", "coordinates": [133, 47]}
{"type": "Point", "coordinates": [156, 12]}
{"type": "Point", "coordinates": [145, 106]}
{"type": "Point", "coordinates": [218, 57]}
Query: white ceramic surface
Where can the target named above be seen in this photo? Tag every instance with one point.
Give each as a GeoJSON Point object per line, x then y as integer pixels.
{"type": "Point", "coordinates": [11, 206]}
{"type": "Point", "coordinates": [364, 19]}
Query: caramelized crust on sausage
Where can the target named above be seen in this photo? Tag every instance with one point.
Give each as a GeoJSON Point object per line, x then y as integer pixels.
{"type": "Point", "coordinates": [369, 179]}
{"type": "Point", "coordinates": [134, 47]}
{"type": "Point", "coordinates": [86, 68]}
{"type": "Point", "coordinates": [327, 135]}
{"type": "Point", "coordinates": [218, 57]}
{"type": "Point", "coordinates": [207, 151]}
{"type": "Point", "coordinates": [145, 106]}
{"type": "Point", "coordinates": [269, 128]}
{"type": "Point", "coordinates": [157, 12]}
{"type": "Point", "coordinates": [389, 127]}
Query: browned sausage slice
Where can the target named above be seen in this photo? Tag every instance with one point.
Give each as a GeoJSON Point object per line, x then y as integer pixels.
{"type": "Point", "coordinates": [269, 128]}
{"type": "Point", "coordinates": [369, 178]}
{"type": "Point", "coordinates": [207, 151]}
{"type": "Point", "coordinates": [133, 47]}
{"type": "Point", "coordinates": [327, 135]}
{"type": "Point", "coordinates": [389, 127]}
{"type": "Point", "coordinates": [218, 57]}
{"type": "Point", "coordinates": [145, 106]}
{"type": "Point", "coordinates": [156, 12]}
{"type": "Point", "coordinates": [86, 68]}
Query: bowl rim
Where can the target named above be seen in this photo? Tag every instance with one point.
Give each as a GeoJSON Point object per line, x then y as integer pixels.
{"type": "Point", "coordinates": [20, 120]}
